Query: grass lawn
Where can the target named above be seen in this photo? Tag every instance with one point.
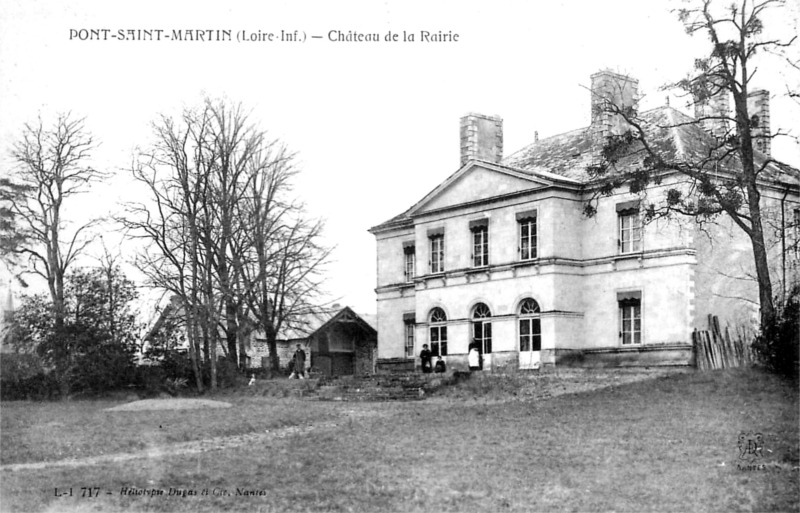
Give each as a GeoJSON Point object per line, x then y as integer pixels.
{"type": "Point", "coordinates": [668, 444]}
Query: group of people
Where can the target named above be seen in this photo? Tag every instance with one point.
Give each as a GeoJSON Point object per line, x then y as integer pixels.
{"type": "Point", "coordinates": [474, 358]}
{"type": "Point", "coordinates": [427, 361]}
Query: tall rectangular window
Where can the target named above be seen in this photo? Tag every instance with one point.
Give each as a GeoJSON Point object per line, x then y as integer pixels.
{"type": "Point", "coordinates": [527, 238]}
{"type": "Point", "coordinates": [630, 231]}
{"type": "Point", "coordinates": [439, 340]}
{"type": "Point", "coordinates": [437, 253]}
{"type": "Point", "coordinates": [480, 246]}
{"type": "Point", "coordinates": [630, 318]}
{"type": "Point", "coordinates": [409, 339]}
{"type": "Point", "coordinates": [796, 238]}
{"type": "Point", "coordinates": [410, 262]}
{"type": "Point", "coordinates": [530, 334]}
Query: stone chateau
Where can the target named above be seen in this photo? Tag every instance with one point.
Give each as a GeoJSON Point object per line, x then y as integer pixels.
{"type": "Point", "coordinates": [500, 253]}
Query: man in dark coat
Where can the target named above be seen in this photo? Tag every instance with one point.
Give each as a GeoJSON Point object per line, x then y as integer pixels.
{"type": "Point", "coordinates": [425, 356]}
{"type": "Point", "coordinates": [299, 361]}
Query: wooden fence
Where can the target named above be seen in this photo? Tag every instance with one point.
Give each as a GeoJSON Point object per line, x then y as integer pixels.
{"type": "Point", "coordinates": [713, 350]}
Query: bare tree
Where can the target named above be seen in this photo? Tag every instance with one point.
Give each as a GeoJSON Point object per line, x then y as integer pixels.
{"type": "Point", "coordinates": [51, 168]}
{"type": "Point", "coordinates": [282, 269]}
{"type": "Point", "coordinates": [220, 238]}
{"type": "Point", "coordinates": [176, 173]}
{"type": "Point", "coordinates": [726, 176]}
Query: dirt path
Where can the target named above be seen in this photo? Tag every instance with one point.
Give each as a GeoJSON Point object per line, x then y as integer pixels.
{"type": "Point", "coordinates": [540, 388]}
{"type": "Point", "coordinates": [196, 446]}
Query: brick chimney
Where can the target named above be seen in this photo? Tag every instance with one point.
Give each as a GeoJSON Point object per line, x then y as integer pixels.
{"type": "Point", "coordinates": [481, 138]}
{"type": "Point", "coordinates": [612, 90]}
{"type": "Point", "coordinates": [712, 102]}
{"type": "Point", "coordinates": [758, 108]}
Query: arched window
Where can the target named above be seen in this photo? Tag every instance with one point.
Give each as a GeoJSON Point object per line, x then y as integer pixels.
{"type": "Point", "coordinates": [438, 332]}
{"type": "Point", "coordinates": [530, 326]}
{"type": "Point", "coordinates": [482, 327]}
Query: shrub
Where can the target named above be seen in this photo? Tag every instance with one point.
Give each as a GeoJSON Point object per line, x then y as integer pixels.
{"type": "Point", "coordinates": [177, 365]}
{"type": "Point", "coordinates": [18, 366]}
{"type": "Point", "coordinates": [36, 387]}
{"type": "Point", "coordinates": [228, 373]}
{"type": "Point", "coordinates": [778, 345]}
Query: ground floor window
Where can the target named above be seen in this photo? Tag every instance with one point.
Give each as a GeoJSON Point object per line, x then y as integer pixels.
{"type": "Point", "coordinates": [630, 320]}
{"type": "Point", "coordinates": [438, 332]}
{"type": "Point", "coordinates": [482, 327]}
{"type": "Point", "coordinates": [409, 339]}
{"type": "Point", "coordinates": [439, 340]}
{"type": "Point", "coordinates": [530, 335]}
{"type": "Point", "coordinates": [530, 326]}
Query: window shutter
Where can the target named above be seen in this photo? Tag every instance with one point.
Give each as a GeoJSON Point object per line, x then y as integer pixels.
{"type": "Point", "coordinates": [627, 207]}
{"type": "Point", "coordinates": [479, 224]}
{"type": "Point", "coordinates": [435, 232]}
{"type": "Point", "coordinates": [629, 298]}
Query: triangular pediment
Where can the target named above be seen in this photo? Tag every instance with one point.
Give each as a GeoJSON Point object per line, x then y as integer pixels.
{"type": "Point", "coordinates": [477, 181]}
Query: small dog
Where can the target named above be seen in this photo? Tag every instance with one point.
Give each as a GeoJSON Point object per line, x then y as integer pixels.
{"type": "Point", "coordinates": [252, 380]}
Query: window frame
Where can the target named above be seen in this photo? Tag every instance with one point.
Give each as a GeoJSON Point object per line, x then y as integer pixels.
{"type": "Point", "coordinates": [529, 314]}
{"type": "Point", "coordinates": [630, 310]}
{"type": "Point", "coordinates": [409, 338]}
{"type": "Point", "coordinates": [438, 325]}
{"type": "Point", "coordinates": [796, 232]}
{"type": "Point", "coordinates": [409, 264]}
{"type": "Point", "coordinates": [436, 261]}
{"type": "Point", "coordinates": [482, 318]}
{"type": "Point", "coordinates": [528, 242]}
{"type": "Point", "coordinates": [633, 242]}
{"type": "Point", "coordinates": [480, 248]}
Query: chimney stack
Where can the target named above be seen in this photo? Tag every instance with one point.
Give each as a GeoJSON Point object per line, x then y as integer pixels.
{"type": "Point", "coordinates": [758, 108]}
{"type": "Point", "coordinates": [712, 102]}
{"type": "Point", "coordinates": [481, 138]}
{"type": "Point", "coordinates": [611, 89]}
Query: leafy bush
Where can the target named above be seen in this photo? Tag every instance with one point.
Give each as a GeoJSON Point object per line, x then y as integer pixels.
{"type": "Point", "coordinates": [92, 345]}
{"type": "Point", "coordinates": [15, 366]}
{"type": "Point", "coordinates": [36, 387]}
{"type": "Point", "coordinates": [228, 374]}
{"type": "Point", "coordinates": [778, 345]}
{"type": "Point", "coordinates": [177, 365]}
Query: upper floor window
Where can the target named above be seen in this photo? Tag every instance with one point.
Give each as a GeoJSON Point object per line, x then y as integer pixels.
{"type": "Point", "coordinates": [630, 317]}
{"type": "Point", "coordinates": [409, 262]}
{"type": "Point", "coordinates": [630, 227]}
{"type": "Point", "coordinates": [437, 251]}
{"type": "Point", "coordinates": [482, 327]}
{"type": "Point", "coordinates": [480, 242]}
{"type": "Point", "coordinates": [438, 332]}
{"type": "Point", "coordinates": [527, 235]}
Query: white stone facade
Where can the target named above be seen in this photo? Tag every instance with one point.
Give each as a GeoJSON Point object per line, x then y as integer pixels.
{"type": "Point", "coordinates": [589, 279]}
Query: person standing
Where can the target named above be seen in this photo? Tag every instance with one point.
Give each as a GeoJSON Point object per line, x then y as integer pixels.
{"type": "Point", "coordinates": [474, 356]}
{"type": "Point", "coordinates": [425, 357]}
{"type": "Point", "coordinates": [299, 361]}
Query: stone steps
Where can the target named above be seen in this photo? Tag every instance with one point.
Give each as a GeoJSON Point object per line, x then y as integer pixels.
{"type": "Point", "coordinates": [371, 388]}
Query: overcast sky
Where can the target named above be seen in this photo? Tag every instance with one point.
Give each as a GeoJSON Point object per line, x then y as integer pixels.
{"type": "Point", "coordinates": [375, 124]}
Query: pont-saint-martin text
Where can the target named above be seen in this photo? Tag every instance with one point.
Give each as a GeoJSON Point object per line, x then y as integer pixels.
{"type": "Point", "coordinates": [214, 35]}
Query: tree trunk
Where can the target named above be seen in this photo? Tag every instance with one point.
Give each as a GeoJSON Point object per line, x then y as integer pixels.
{"type": "Point", "coordinates": [191, 333]}
{"type": "Point", "coordinates": [767, 307]}
{"type": "Point", "coordinates": [231, 331]}
{"type": "Point", "coordinates": [272, 344]}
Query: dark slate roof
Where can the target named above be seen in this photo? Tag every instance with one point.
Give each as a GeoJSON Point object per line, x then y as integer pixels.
{"type": "Point", "coordinates": [570, 153]}
{"type": "Point", "coordinates": [672, 134]}
{"type": "Point", "coordinates": [307, 324]}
